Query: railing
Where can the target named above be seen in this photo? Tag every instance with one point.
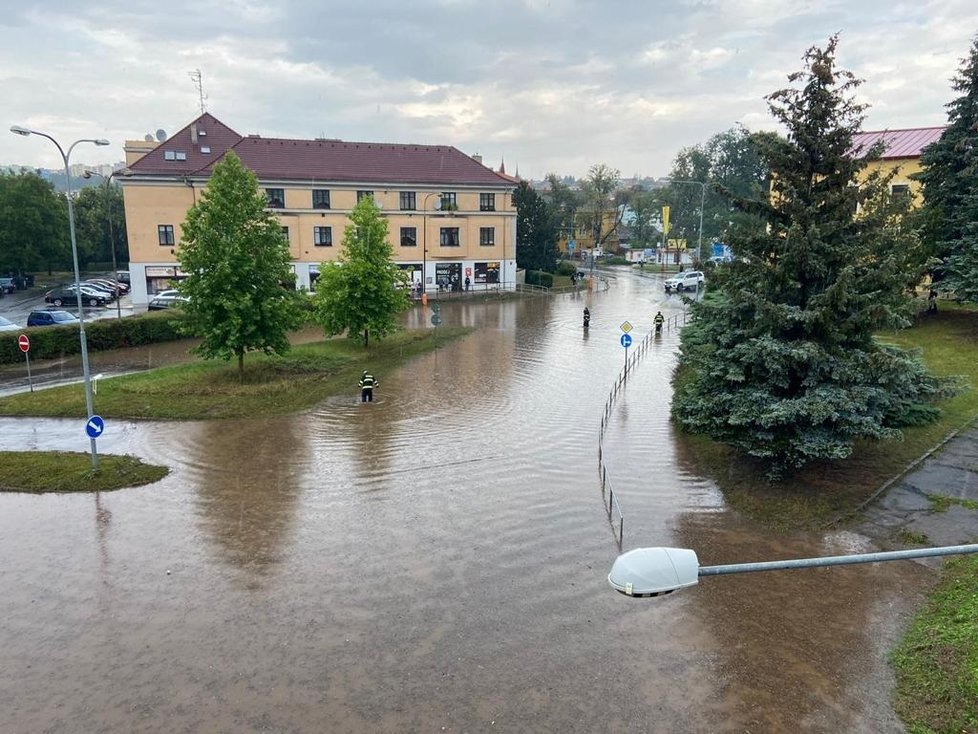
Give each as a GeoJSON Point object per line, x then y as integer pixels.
{"type": "Point", "coordinates": [607, 490]}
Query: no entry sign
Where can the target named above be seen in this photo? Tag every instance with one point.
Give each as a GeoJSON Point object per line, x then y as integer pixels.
{"type": "Point", "coordinates": [24, 342]}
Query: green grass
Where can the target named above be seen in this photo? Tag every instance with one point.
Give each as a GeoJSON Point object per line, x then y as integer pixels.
{"type": "Point", "coordinates": [940, 503]}
{"type": "Point", "coordinates": [825, 491]}
{"type": "Point", "coordinates": [59, 471]}
{"type": "Point", "coordinates": [912, 537]}
{"type": "Point", "coordinates": [936, 663]}
{"type": "Point", "coordinates": [307, 375]}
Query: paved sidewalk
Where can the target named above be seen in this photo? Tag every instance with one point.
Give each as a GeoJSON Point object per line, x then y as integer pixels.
{"type": "Point", "coordinates": [938, 499]}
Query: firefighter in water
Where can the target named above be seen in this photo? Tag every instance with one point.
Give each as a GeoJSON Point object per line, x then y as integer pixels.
{"type": "Point", "coordinates": [587, 317]}
{"type": "Point", "coordinates": [658, 321]}
{"type": "Point", "coordinates": [367, 385]}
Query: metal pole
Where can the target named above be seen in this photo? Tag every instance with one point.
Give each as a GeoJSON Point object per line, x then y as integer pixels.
{"type": "Point", "coordinates": [837, 560]}
{"type": "Point", "coordinates": [86, 378]}
{"type": "Point", "coordinates": [702, 205]}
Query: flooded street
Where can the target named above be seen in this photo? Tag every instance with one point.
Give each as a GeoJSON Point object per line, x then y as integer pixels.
{"type": "Point", "coordinates": [436, 561]}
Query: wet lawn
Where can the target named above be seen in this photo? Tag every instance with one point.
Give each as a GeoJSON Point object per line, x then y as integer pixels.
{"type": "Point", "coordinates": [61, 471]}
{"type": "Point", "coordinates": [271, 385]}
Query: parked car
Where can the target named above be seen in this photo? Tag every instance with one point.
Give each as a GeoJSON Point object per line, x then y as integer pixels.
{"type": "Point", "coordinates": [111, 285]}
{"type": "Point", "coordinates": [51, 318]}
{"type": "Point", "coordinates": [7, 285]}
{"type": "Point", "coordinates": [167, 293]}
{"type": "Point", "coordinates": [63, 296]}
{"type": "Point", "coordinates": [90, 289]}
{"type": "Point", "coordinates": [123, 276]}
{"type": "Point", "coordinates": [161, 302]}
{"type": "Point", "coordinates": [6, 325]}
{"type": "Point", "coordinates": [690, 280]}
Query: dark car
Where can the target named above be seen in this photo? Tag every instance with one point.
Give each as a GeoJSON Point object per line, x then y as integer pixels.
{"type": "Point", "coordinates": [62, 296]}
{"type": "Point", "coordinates": [7, 285]}
{"type": "Point", "coordinates": [51, 318]}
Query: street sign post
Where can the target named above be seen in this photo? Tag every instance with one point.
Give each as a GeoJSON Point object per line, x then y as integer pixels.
{"type": "Point", "coordinates": [24, 342]}
{"type": "Point", "coordinates": [626, 340]}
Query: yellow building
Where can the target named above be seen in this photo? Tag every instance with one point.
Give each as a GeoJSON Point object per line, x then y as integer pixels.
{"type": "Point", "coordinates": [451, 219]}
{"type": "Point", "coordinates": [902, 150]}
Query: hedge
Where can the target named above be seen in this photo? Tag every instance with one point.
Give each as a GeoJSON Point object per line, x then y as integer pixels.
{"type": "Point", "coordinates": [49, 342]}
{"type": "Point", "coordinates": [538, 277]}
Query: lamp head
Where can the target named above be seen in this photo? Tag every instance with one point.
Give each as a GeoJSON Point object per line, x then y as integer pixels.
{"type": "Point", "coordinates": [654, 571]}
{"type": "Point", "coordinates": [101, 141]}
{"type": "Point", "coordinates": [87, 174]}
{"type": "Point", "coordinates": [20, 130]}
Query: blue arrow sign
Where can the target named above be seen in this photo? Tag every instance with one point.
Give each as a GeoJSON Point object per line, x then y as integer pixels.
{"type": "Point", "coordinates": [95, 426]}
{"type": "Point", "coordinates": [626, 340]}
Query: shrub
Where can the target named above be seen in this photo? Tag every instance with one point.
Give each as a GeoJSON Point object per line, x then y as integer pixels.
{"type": "Point", "coordinates": [538, 277]}
{"type": "Point", "coordinates": [566, 267]}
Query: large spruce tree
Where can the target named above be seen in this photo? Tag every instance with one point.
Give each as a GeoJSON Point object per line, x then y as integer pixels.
{"type": "Point", "coordinates": [780, 360]}
{"type": "Point", "coordinates": [950, 187]}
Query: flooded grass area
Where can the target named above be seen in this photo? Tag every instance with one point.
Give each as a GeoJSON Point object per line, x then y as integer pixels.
{"type": "Point", "coordinates": [65, 471]}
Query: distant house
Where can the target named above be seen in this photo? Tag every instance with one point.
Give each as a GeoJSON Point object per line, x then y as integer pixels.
{"type": "Point", "coordinates": [902, 150]}
{"type": "Point", "coordinates": [450, 217]}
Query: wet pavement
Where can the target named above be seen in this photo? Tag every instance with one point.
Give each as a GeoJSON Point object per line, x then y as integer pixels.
{"type": "Point", "coordinates": [435, 561]}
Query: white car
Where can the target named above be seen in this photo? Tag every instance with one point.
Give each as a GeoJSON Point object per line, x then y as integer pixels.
{"type": "Point", "coordinates": [688, 281]}
{"type": "Point", "coordinates": [6, 325]}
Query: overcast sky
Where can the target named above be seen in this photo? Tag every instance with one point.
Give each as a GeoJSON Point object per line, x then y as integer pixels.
{"type": "Point", "coordinates": [549, 85]}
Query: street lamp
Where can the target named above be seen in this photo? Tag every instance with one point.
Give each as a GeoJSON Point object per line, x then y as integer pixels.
{"type": "Point", "coordinates": [18, 130]}
{"type": "Point", "coordinates": [106, 180]}
{"type": "Point", "coordinates": [655, 571]}
{"type": "Point", "coordinates": [424, 236]}
{"type": "Point", "coordinates": [699, 245]}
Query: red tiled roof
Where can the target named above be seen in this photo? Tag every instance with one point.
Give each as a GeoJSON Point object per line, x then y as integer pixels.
{"type": "Point", "coordinates": [217, 136]}
{"type": "Point", "coordinates": [908, 143]}
{"type": "Point", "coordinates": [280, 159]}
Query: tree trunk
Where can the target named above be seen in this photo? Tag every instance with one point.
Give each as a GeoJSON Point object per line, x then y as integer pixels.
{"type": "Point", "coordinates": [366, 337]}
{"type": "Point", "coordinates": [241, 366]}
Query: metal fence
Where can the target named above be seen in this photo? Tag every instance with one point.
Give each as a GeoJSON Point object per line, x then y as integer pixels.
{"type": "Point", "coordinates": [610, 499]}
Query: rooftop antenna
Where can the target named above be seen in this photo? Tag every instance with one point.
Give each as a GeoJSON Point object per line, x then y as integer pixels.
{"type": "Point", "coordinates": [198, 82]}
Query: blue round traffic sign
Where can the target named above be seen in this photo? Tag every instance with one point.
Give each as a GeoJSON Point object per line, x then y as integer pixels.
{"type": "Point", "coordinates": [95, 426]}
{"type": "Point", "coordinates": [626, 340]}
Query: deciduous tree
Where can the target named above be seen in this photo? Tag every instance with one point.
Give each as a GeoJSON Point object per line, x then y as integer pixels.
{"type": "Point", "coordinates": [364, 291]}
{"type": "Point", "coordinates": [240, 277]}
{"type": "Point", "coordinates": [780, 360]}
{"type": "Point", "coordinates": [33, 224]}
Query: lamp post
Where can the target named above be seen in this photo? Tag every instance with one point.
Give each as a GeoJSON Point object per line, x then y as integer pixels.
{"type": "Point", "coordinates": [65, 156]}
{"type": "Point", "coordinates": [424, 236]}
{"type": "Point", "coordinates": [699, 245]}
{"type": "Point", "coordinates": [106, 180]}
{"type": "Point", "coordinates": [655, 571]}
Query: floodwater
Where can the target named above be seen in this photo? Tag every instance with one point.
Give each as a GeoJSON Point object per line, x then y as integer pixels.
{"type": "Point", "coordinates": [436, 561]}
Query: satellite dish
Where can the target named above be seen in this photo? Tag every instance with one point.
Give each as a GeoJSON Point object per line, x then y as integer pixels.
{"type": "Point", "coordinates": [161, 135]}
{"type": "Point", "coordinates": [148, 138]}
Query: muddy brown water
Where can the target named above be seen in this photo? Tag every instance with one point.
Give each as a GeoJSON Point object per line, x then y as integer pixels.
{"type": "Point", "coordinates": [436, 561]}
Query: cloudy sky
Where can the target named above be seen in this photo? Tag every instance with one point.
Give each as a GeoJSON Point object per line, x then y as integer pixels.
{"type": "Point", "coordinates": [548, 85]}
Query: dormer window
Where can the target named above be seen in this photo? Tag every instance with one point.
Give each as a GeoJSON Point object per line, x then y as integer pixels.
{"type": "Point", "coordinates": [169, 155]}
{"type": "Point", "coordinates": [181, 156]}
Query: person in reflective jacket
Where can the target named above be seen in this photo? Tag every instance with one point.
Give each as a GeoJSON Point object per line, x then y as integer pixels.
{"type": "Point", "coordinates": [658, 321]}
{"type": "Point", "coordinates": [367, 385]}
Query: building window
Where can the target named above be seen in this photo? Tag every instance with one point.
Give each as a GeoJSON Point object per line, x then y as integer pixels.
{"type": "Point", "coordinates": [487, 235]}
{"type": "Point", "coordinates": [900, 191]}
{"type": "Point", "coordinates": [166, 234]}
{"type": "Point", "coordinates": [487, 272]}
{"type": "Point", "coordinates": [409, 201]}
{"type": "Point", "coordinates": [448, 201]}
{"type": "Point", "coordinates": [361, 194]}
{"type": "Point", "coordinates": [320, 198]}
{"type": "Point", "coordinates": [449, 237]}
{"type": "Point", "coordinates": [409, 236]}
{"type": "Point", "coordinates": [322, 236]}
{"type": "Point", "coordinates": [487, 202]}
{"type": "Point", "coordinates": [285, 233]}
{"type": "Point", "coordinates": [275, 198]}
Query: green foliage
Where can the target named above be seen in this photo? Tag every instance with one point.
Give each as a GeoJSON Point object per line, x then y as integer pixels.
{"type": "Point", "coordinates": [780, 360]}
{"type": "Point", "coordinates": [33, 224]}
{"type": "Point", "coordinates": [51, 342]}
{"type": "Point", "coordinates": [539, 277]}
{"type": "Point", "coordinates": [94, 207]}
{"type": "Point", "coordinates": [240, 274]}
{"type": "Point", "coordinates": [565, 267]}
{"type": "Point", "coordinates": [364, 291]}
{"type": "Point", "coordinates": [936, 663]}
{"type": "Point", "coordinates": [600, 214]}
{"type": "Point", "coordinates": [536, 232]}
{"type": "Point", "coordinates": [949, 182]}
{"type": "Point", "coordinates": [731, 166]}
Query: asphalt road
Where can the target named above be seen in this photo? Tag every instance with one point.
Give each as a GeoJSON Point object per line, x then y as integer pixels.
{"type": "Point", "coordinates": [16, 306]}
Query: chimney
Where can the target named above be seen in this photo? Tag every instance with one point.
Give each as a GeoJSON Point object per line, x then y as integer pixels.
{"type": "Point", "coordinates": [477, 158]}
{"type": "Point", "coordinates": [193, 133]}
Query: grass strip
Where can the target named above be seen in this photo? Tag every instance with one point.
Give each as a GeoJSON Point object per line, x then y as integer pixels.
{"type": "Point", "coordinates": [271, 385]}
{"type": "Point", "coordinates": [70, 471]}
{"type": "Point", "coordinates": [936, 663]}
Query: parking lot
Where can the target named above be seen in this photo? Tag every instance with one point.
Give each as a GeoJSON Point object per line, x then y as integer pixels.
{"type": "Point", "coordinates": [17, 305]}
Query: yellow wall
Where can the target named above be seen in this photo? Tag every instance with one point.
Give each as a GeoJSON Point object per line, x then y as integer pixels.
{"type": "Point", "coordinates": [905, 168]}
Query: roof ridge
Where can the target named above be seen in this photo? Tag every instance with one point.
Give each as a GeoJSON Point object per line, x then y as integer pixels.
{"type": "Point", "coordinates": [900, 129]}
